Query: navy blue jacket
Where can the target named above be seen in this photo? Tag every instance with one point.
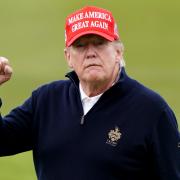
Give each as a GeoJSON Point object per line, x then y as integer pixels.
{"type": "Point", "coordinates": [129, 134]}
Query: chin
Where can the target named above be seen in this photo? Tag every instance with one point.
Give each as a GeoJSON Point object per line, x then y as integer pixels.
{"type": "Point", "coordinates": [94, 78]}
{"type": "Point", "coordinates": [94, 75]}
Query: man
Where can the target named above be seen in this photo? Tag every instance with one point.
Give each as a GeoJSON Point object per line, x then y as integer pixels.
{"type": "Point", "coordinates": [100, 124]}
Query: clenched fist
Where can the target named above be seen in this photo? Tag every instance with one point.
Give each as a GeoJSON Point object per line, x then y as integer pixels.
{"type": "Point", "coordinates": [5, 70]}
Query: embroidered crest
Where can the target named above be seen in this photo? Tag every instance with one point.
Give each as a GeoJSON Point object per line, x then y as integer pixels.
{"type": "Point", "coordinates": [113, 136]}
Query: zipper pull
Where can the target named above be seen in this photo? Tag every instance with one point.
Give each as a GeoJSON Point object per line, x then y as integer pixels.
{"type": "Point", "coordinates": [82, 120]}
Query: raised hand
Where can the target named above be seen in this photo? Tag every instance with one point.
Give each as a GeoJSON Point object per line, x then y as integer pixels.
{"type": "Point", "coordinates": [5, 70]}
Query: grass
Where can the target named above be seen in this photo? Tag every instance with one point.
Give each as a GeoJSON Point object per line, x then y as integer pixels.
{"type": "Point", "coordinates": [32, 37]}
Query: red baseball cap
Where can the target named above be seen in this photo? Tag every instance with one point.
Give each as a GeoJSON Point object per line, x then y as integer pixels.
{"type": "Point", "coordinates": [90, 20]}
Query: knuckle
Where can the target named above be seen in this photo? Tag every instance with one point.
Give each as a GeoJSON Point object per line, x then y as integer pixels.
{"type": "Point", "coordinates": [4, 60]}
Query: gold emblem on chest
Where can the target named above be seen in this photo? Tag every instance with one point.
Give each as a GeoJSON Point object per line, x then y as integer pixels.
{"type": "Point", "coordinates": [114, 136]}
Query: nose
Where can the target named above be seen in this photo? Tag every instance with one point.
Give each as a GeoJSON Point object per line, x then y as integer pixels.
{"type": "Point", "coordinates": [91, 52]}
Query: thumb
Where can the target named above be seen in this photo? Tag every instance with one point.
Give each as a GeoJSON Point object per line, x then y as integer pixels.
{"type": "Point", "coordinates": [8, 70]}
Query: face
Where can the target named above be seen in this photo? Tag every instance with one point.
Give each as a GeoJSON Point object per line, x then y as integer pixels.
{"type": "Point", "coordinates": [94, 59]}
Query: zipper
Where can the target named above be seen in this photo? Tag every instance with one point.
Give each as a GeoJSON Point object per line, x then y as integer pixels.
{"type": "Point", "coordinates": [82, 120]}
{"type": "Point", "coordinates": [77, 90]}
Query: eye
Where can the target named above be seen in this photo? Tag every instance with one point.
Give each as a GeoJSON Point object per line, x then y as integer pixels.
{"type": "Point", "coordinates": [79, 44]}
{"type": "Point", "coordinates": [100, 42]}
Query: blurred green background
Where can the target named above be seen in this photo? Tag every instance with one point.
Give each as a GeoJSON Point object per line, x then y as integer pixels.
{"type": "Point", "coordinates": [32, 37]}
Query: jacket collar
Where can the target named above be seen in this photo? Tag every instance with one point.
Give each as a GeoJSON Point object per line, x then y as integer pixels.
{"type": "Point", "coordinates": [124, 83]}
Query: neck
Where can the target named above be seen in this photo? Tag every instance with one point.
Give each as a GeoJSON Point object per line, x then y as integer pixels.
{"type": "Point", "coordinates": [95, 88]}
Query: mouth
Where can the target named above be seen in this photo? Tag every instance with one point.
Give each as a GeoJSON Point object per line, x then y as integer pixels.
{"type": "Point", "coordinates": [92, 65]}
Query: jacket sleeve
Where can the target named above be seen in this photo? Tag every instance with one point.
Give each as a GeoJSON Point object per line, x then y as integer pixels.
{"type": "Point", "coordinates": [166, 147]}
{"type": "Point", "coordinates": [16, 129]}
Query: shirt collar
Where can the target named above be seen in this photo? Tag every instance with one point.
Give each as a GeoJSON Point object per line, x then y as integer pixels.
{"type": "Point", "coordinates": [84, 96]}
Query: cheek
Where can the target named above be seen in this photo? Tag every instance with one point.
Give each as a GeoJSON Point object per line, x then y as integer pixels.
{"type": "Point", "coordinates": [74, 60]}
{"type": "Point", "coordinates": [77, 64]}
{"type": "Point", "coordinates": [110, 64]}
{"type": "Point", "coordinates": [110, 59]}
{"type": "Point", "coordinates": [114, 57]}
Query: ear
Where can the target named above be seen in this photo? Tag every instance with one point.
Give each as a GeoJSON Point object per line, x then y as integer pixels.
{"type": "Point", "coordinates": [68, 57]}
{"type": "Point", "coordinates": [118, 55]}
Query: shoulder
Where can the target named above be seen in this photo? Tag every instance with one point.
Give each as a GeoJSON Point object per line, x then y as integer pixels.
{"type": "Point", "coordinates": [152, 109]}
{"type": "Point", "coordinates": [138, 93]}
{"type": "Point", "coordinates": [145, 98]}
{"type": "Point", "coordinates": [52, 88]}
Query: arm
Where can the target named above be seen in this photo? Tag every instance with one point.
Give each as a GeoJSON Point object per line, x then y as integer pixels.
{"type": "Point", "coordinates": [166, 150]}
{"type": "Point", "coordinates": [15, 128]}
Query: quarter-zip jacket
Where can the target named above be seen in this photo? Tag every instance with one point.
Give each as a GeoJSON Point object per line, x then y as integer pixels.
{"type": "Point", "coordinates": [129, 134]}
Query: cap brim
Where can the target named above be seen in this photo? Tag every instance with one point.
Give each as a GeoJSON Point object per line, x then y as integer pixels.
{"type": "Point", "coordinates": [108, 37]}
